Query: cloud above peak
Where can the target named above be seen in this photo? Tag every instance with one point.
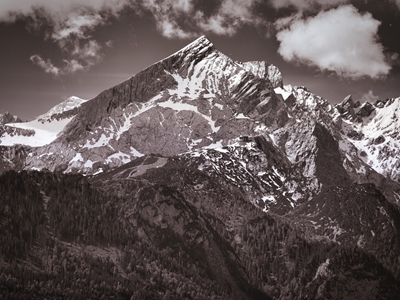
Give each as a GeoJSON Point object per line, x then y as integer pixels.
{"type": "Point", "coordinates": [229, 17]}
{"type": "Point", "coordinates": [76, 24]}
{"type": "Point", "coordinates": [369, 97]}
{"type": "Point", "coordinates": [339, 40]}
{"type": "Point", "coordinates": [69, 24]}
{"type": "Point", "coordinates": [303, 5]}
{"type": "Point", "coordinates": [72, 23]}
{"type": "Point", "coordinates": [57, 9]}
{"type": "Point", "coordinates": [73, 37]}
{"type": "Point", "coordinates": [166, 15]}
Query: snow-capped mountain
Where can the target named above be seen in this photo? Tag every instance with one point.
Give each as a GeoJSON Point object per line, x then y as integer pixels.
{"type": "Point", "coordinates": [198, 99]}
{"type": "Point", "coordinates": [217, 153]}
{"type": "Point", "coordinates": [57, 111]}
{"type": "Point", "coordinates": [44, 129]}
{"type": "Point", "coordinates": [373, 129]}
{"type": "Point", "coordinates": [191, 99]}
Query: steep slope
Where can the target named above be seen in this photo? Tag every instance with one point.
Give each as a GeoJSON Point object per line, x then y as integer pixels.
{"type": "Point", "coordinates": [198, 99]}
{"type": "Point", "coordinates": [343, 123]}
{"type": "Point", "coordinates": [373, 129]}
{"type": "Point", "coordinates": [188, 100]}
{"type": "Point", "coordinates": [164, 228]}
{"type": "Point", "coordinates": [206, 177]}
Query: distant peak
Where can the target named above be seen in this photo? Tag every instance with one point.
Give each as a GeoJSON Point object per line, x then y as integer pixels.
{"type": "Point", "coordinates": [9, 118]}
{"type": "Point", "coordinates": [68, 104]}
{"type": "Point", "coordinates": [74, 99]}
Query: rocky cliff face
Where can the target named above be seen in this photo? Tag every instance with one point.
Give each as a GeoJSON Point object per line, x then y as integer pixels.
{"type": "Point", "coordinates": [270, 182]}
{"type": "Point", "coordinates": [373, 130]}
{"type": "Point", "coordinates": [8, 118]}
{"type": "Point", "coordinates": [193, 98]}
{"type": "Point", "coordinates": [199, 99]}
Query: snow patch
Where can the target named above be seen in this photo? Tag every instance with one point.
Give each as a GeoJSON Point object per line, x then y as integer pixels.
{"type": "Point", "coordinates": [45, 133]}
{"type": "Point", "coordinates": [136, 153]}
{"type": "Point", "coordinates": [124, 158]}
{"type": "Point", "coordinates": [269, 198]}
{"type": "Point", "coordinates": [102, 141]}
{"type": "Point", "coordinates": [282, 92]}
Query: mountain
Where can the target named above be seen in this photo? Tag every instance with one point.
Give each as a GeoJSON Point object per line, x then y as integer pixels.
{"type": "Point", "coordinates": [373, 130]}
{"type": "Point", "coordinates": [8, 118]}
{"type": "Point", "coordinates": [202, 177]}
{"type": "Point", "coordinates": [188, 100]}
{"type": "Point", "coordinates": [42, 130]}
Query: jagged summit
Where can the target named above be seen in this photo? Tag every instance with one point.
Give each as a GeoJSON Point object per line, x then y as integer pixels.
{"type": "Point", "coordinates": [8, 118]}
{"type": "Point", "coordinates": [200, 150]}
{"type": "Point", "coordinates": [197, 45]}
{"type": "Point", "coordinates": [198, 98]}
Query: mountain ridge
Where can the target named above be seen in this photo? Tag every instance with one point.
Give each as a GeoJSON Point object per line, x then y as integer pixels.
{"type": "Point", "coordinates": [217, 169]}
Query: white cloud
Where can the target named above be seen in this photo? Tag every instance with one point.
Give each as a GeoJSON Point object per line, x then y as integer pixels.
{"type": "Point", "coordinates": [71, 23]}
{"type": "Point", "coordinates": [369, 97]}
{"type": "Point", "coordinates": [167, 13]}
{"type": "Point", "coordinates": [47, 66]}
{"type": "Point", "coordinates": [303, 5]}
{"type": "Point", "coordinates": [231, 15]}
{"type": "Point", "coordinates": [217, 24]}
{"type": "Point", "coordinates": [76, 24]}
{"type": "Point", "coordinates": [340, 40]}
{"type": "Point", "coordinates": [238, 9]}
{"type": "Point", "coordinates": [170, 29]}
{"type": "Point", "coordinates": [81, 58]}
{"type": "Point", "coordinates": [72, 66]}
{"type": "Point", "coordinates": [73, 37]}
{"type": "Point", "coordinates": [57, 9]}
{"type": "Point", "coordinates": [109, 44]}
{"type": "Point", "coordinates": [172, 16]}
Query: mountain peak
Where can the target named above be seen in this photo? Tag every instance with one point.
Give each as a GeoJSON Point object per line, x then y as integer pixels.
{"type": "Point", "coordinates": [200, 41]}
{"type": "Point", "coordinates": [9, 118]}
{"type": "Point", "coordinates": [347, 106]}
{"type": "Point", "coordinates": [200, 45]}
{"type": "Point", "coordinates": [67, 105]}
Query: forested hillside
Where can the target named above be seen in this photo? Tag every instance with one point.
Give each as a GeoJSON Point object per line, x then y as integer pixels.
{"type": "Point", "coordinates": [69, 236]}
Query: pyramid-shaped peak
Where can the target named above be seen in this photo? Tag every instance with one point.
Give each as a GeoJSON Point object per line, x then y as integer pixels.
{"type": "Point", "coordinates": [201, 41]}
{"type": "Point", "coordinates": [200, 45]}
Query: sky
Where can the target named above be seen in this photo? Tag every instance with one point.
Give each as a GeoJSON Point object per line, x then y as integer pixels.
{"type": "Point", "coordinates": [53, 49]}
